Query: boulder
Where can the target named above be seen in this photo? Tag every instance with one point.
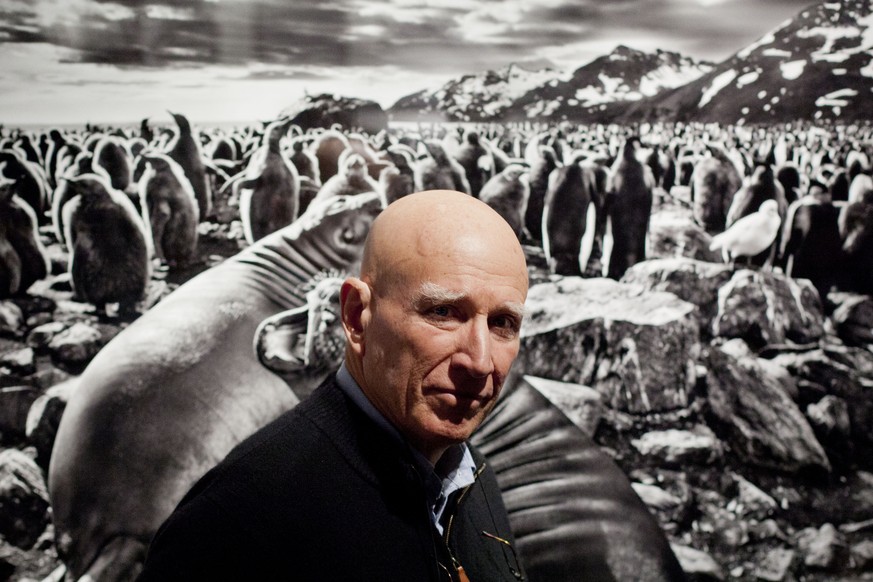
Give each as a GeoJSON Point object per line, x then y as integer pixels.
{"type": "Point", "coordinates": [768, 308]}
{"type": "Point", "coordinates": [823, 548]}
{"type": "Point", "coordinates": [852, 319]}
{"type": "Point", "coordinates": [680, 447]}
{"type": "Point", "coordinates": [696, 564]}
{"type": "Point", "coordinates": [636, 348]}
{"type": "Point", "coordinates": [20, 361]}
{"type": "Point", "coordinates": [775, 565]}
{"type": "Point", "coordinates": [673, 233]}
{"type": "Point", "coordinates": [44, 417]}
{"type": "Point", "coordinates": [40, 336]}
{"type": "Point", "coordinates": [691, 280]}
{"type": "Point", "coordinates": [325, 111]}
{"type": "Point", "coordinates": [15, 402]}
{"type": "Point", "coordinates": [843, 373]}
{"type": "Point", "coordinates": [580, 404]}
{"type": "Point", "coordinates": [11, 318]}
{"type": "Point", "coordinates": [862, 555]}
{"type": "Point", "coordinates": [79, 343]}
{"type": "Point", "coordinates": [24, 504]}
{"type": "Point", "coordinates": [751, 501]}
{"type": "Point", "coordinates": [756, 416]}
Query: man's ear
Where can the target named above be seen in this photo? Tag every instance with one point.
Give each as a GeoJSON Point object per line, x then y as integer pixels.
{"type": "Point", "coordinates": [355, 309]}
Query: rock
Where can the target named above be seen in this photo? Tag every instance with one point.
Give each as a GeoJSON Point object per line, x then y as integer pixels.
{"type": "Point", "coordinates": [862, 555]}
{"type": "Point", "coordinates": [751, 502]}
{"type": "Point", "coordinates": [830, 417]}
{"type": "Point", "coordinates": [673, 233]}
{"type": "Point", "coordinates": [768, 308]}
{"type": "Point", "coordinates": [40, 336]}
{"type": "Point", "coordinates": [760, 421]}
{"type": "Point", "coordinates": [325, 111]}
{"type": "Point", "coordinates": [76, 345]}
{"type": "Point", "coordinates": [636, 348]}
{"type": "Point", "coordinates": [44, 417]}
{"type": "Point", "coordinates": [819, 375]}
{"type": "Point", "coordinates": [19, 361]}
{"type": "Point", "coordinates": [24, 505]}
{"type": "Point", "coordinates": [15, 402]}
{"type": "Point", "coordinates": [823, 548]}
{"type": "Point", "coordinates": [852, 320]}
{"type": "Point", "coordinates": [775, 564]}
{"type": "Point", "coordinates": [680, 447]}
{"type": "Point", "coordinates": [11, 318]}
{"type": "Point", "coordinates": [580, 404]}
{"type": "Point", "coordinates": [693, 281]}
{"type": "Point", "coordinates": [656, 498]}
{"type": "Point", "coordinates": [697, 565]}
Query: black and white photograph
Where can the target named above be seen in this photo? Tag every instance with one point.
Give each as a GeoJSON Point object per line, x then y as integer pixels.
{"type": "Point", "coordinates": [541, 290]}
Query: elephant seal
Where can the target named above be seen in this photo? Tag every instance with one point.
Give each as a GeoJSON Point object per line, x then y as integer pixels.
{"type": "Point", "coordinates": [170, 395]}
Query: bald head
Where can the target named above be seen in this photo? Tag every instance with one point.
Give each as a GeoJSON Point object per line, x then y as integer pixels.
{"type": "Point", "coordinates": [433, 323]}
{"type": "Point", "coordinates": [437, 225]}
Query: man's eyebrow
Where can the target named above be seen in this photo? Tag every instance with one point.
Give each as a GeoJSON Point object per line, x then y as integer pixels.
{"type": "Point", "coordinates": [430, 294]}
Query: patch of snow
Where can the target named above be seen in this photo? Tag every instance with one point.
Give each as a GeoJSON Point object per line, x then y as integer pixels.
{"type": "Point", "coordinates": [839, 72]}
{"type": "Point", "coordinates": [762, 94]}
{"type": "Point", "coordinates": [793, 69]}
{"type": "Point", "coordinates": [768, 38]}
{"type": "Point", "coordinates": [836, 98]}
{"type": "Point", "coordinates": [744, 111]}
{"type": "Point", "coordinates": [719, 83]}
{"type": "Point", "coordinates": [748, 79]}
{"type": "Point", "coordinates": [670, 77]}
{"type": "Point", "coordinates": [775, 52]}
{"type": "Point", "coordinates": [867, 70]}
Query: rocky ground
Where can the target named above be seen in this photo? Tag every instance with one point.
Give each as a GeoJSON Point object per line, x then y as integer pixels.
{"type": "Point", "coordinates": [740, 412]}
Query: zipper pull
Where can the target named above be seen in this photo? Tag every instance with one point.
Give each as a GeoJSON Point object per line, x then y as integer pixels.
{"type": "Point", "coordinates": [462, 576]}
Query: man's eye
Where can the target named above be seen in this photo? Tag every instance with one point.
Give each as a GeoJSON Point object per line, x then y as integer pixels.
{"type": "Point", "coordinates": [441, 311]}
{"type": "Point", "coordinates": [505, 323]}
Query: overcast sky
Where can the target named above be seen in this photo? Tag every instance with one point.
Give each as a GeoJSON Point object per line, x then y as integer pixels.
{"type": "Point", "coordinates": [72, 61]}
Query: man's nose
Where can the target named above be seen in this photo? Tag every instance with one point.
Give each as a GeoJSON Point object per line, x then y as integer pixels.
{"type": "Point", "coordinates": [474, 351]}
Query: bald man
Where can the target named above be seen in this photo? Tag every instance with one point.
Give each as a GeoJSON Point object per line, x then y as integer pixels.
{"type": "Point", "coordinates": [371, 477]}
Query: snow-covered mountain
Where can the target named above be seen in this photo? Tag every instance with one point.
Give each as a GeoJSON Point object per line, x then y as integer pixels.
{"type": "Point", "coordinates": [607, 84]}
{"type": "Point", "coordinates": [473, 97]}
{"type": "Point", "coordinates": [816, 65]}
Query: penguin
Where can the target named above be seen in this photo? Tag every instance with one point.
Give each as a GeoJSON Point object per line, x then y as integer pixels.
{"type": "Point", "coordinates": [308, 192]}
{"type": "Point", "coordinates": [565, 216]}
{"type": "Point", "coordinates": [438, 171]}
{"type": "Point", "coordinates": [23, 259]}
{"type": "Point", "coordinates": [328, 147]}
{"type": "Point", "coordinates": [544, 162]}
{"type": "Point", "coordinates": [714, 182]}
{"type": "Point", "coordinates": [270, 194]}
{"type": "Point", "coordinates": [629, 207]}
{"type": "Point", "coordinates": [171, 208]}
{"type": "Point", "coordinates": [751, 235]}
{"type": "Point", "coordinates": [398, 180]}
{"type": "Point", "coordinates": [507, 193]}
{"type": "Point", "coordinates": [56, 143]}
{"type": "Point", "coordinates": [352, 179]}
{"type": "Point", "coordinates": [361, 146]}
{"type": "Point", "coordinates": [114, 161]}
{"type": "Point", "coordinates": [789, 176]}
{"type": "Point", "coordinates": [477, 162]}
{"type": "Point", "coordinates": [29, 182]}
{"type": "Point", "coordinates": [185, 149]}
{"type": "Point", "coordinates": [856, 232]}
{"type": "Point", "coordinates": [859, 186]}
{"type": "Point", "coordinates": [811, 246]}
{"type": "Point", "coordinates": [110, 247]}
{"type": "Point", "coordinates": [304, 160]}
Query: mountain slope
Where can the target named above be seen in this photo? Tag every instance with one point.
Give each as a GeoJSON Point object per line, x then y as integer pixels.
{"type": "Point", "coordinates": [818, 65]}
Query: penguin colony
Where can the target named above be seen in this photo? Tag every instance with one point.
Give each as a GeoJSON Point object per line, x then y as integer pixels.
{"type": "Point", "coordinates": [127, 202]}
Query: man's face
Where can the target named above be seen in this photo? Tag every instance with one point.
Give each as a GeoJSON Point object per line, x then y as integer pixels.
{"type": "Point", "coordinates": [440, 339]}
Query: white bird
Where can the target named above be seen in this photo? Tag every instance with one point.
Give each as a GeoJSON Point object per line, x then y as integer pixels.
{"type": "Point", "coordinates": [750, 235]}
